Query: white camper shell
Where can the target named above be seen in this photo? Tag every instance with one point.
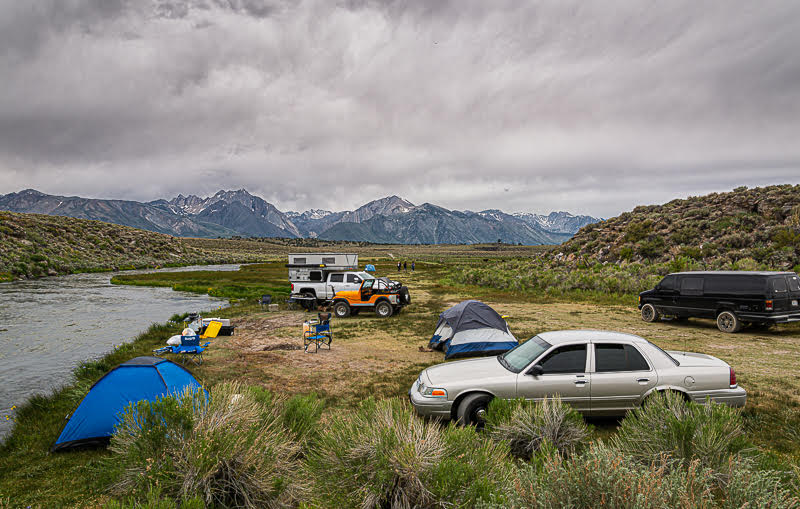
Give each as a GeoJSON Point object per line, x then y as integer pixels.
{"type": "Point", "coordinates": [316, 266]}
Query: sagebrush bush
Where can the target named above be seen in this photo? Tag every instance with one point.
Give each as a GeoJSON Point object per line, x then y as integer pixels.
{"type": "Point", "coordinates": [750, 487]}
{"type": "Point", "coordinates": [385, 456]}
{"type": "Point", "coordinates": [229, 449]}
{"type": "Point", "coordinates": [603, 477]}
{"type": "Point", "coordinates": [527, 425]}
{"type": "Point", "coordinates": [684, 431]}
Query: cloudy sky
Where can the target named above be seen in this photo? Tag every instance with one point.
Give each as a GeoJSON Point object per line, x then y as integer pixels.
{"type": "Point", "coordinates": [591, 107]}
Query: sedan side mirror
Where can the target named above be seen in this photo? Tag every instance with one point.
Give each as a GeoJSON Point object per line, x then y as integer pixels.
{"type": "Point", "coordinates": [536, 370]}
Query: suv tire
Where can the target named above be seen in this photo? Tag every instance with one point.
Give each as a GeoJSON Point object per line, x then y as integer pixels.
{"type": "Point", "coordinates": [472, 409]}
{"type": "Point", "coordinates": [405, 296]}
{"type": "Point", "coordinates": [727, 321]}
{"type": "Point", "coordinates": [650, 313]}
{"type": "Point", "coordinates": [383, 309]}
{"type": "Point", "coordinates": [341, 309]}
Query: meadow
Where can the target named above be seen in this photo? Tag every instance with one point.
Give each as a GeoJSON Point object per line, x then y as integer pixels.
{"type": "Point", "coordinates": [369, 369]}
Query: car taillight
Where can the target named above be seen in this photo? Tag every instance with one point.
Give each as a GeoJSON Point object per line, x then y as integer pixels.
{"type": "Point", "coordinates": [733, 378]}
{"type": "Point", "coordinates": [768, 305]}
{"type": "Point", "coordinates": [292, 286]}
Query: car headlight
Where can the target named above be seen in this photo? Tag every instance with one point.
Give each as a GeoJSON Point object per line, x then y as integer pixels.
{"type": "Point", "coordinates": [433, 392]}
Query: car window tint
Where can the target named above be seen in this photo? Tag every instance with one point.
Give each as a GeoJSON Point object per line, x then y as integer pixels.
{"type": "Point", "coordinates": [567, 359]}
{"type": "Point", "coordinates": [352, 278]}
{"type": "Point", "coordinates": [668, 283]}
{"type": "Point", "coordinates": [616, 357]}
{"type": "Point", "coordinates": [794, 283]}
{"type": "Point", "coordinates": [337, 278]}
{"type": "Point", "coordinates": [779, 285]}
{"type": "Point", "coordinates": [733, 284]}
{"type": "Point", "coordinates": [691, 286]}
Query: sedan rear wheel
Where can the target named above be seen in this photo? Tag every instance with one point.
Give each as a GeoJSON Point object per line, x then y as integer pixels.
{"type": "Point", "coordinates": [472, 409]}
{"type": "Point", "coordinates": [727, 321]}
{"type": "Point", "coordinates": [649, 313]}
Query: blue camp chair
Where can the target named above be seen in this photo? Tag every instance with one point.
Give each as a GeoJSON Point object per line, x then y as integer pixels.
{"type": "Point", "coordinates": [190, 347]}
{"type": "Point", "coordinates": [318, 334]}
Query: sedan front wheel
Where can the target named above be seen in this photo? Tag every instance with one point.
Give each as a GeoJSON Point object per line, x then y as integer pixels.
{"type": "Point", "coordinates": [472, 409]}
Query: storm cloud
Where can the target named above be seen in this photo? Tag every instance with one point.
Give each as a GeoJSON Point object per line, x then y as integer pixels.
{"type": "Point", "coordinates": [525, 106]}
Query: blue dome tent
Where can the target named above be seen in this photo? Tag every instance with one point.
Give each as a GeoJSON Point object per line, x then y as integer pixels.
{"type": "Point", "coordinates": [141, 378]}
{"type": "Point", "coordinates": [472, 328]}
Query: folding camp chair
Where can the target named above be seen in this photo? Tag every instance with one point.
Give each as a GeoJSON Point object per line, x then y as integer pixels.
{"type": "Point", "coordinates": [318, 334]}
{"type": "Point", "coordinates": [190, 348]}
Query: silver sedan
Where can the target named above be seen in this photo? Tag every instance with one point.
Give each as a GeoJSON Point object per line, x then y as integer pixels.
{"type": "Point", "coordinates": [600, 373]}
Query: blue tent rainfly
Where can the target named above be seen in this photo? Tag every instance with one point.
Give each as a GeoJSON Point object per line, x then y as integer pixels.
{"type": "Point", "coordinates": [472, 328]}
{"type": "Point", "coordinates": [141, 378]}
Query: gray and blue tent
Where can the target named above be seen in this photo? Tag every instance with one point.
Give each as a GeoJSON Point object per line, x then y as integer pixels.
{"type": "Point", "coordinates": [472, 328]}
{"type": "Point", "coordinates": [141, 378]}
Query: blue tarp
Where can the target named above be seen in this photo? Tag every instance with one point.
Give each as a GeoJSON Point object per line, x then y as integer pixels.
{"type": "Point", "coordinates": [369, 268]}
{"type": "Point", "coordinates": [141, 378]}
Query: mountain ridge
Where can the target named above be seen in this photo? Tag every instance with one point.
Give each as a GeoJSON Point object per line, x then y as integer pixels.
{"type": "Point", "coordinates": [230, 213]}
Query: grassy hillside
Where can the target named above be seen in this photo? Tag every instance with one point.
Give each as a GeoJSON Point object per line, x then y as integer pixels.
{"type": "Point", "coordinates": [615, 259]}
{"type": "Point", "coordinates": [742, 229]}
{"type": "Point", "coordinates": [33, 245]}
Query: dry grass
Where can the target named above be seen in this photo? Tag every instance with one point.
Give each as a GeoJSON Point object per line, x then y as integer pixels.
{"type": "Point", "coordinates": [381, 357]}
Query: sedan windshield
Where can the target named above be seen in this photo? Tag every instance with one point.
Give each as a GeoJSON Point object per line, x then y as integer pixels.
{"type": "Point", "coordinates": [516, 359]}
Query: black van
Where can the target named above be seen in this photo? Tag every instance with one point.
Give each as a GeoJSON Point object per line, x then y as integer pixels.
{"type": "Point", "coordinates": [734, 298]}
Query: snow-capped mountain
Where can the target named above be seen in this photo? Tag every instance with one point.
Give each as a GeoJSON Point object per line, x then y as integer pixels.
{"type": "Point", "coordinates": [560, 222]}
{"type": "Point", "coordinates": [228, 213]}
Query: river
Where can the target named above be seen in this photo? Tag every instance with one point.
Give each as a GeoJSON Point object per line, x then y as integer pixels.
{"type": "Point", "coordinates": [51, 325]}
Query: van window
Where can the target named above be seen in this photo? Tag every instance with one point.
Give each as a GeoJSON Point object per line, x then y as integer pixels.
{"type": "Point", "coordinates": [315, 275]}
{"type": "Point", "coordinates": [779, 285]}
{"type": "Point", "coordinates": [615, 357]}
{"type": "Point", "coordinates": [352, 278]}
{"type": "Point", "coordinates": [668, 283]}
{"type": "Point", "coordinates": [692, 286]}
{"type": "Point", "coordinates": [734, 284]}
{"type": "Point", "coordinates": [337, 278]}
{"type": "Point", "coordinates": [328, 260]}
{"type": "Point", "coordinates": [299, 261]}
{"type": "Point", "coordinates": [794, 283]}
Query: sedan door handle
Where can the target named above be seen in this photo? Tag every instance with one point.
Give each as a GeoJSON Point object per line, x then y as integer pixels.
{"type": "Point", "coordinates": [580, 382]}
{"type": "Point", "coordinates": [642, 380]}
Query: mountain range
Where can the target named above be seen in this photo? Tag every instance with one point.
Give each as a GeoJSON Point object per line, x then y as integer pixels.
{"type": "Point", "coordinates": [239, 213]}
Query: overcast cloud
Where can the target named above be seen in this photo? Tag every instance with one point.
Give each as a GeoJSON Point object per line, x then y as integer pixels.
{"type": "Point", "coordinates": [525, 106]}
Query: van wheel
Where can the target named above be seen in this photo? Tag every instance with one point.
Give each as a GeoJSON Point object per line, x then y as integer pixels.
{"type": "Point", "coordinates": [341, 309]}
{"type": "Point", "coordinates": [649, 313]}
{"type": "Point", "coordinates": [383, 309]}
{"type": "Point", "coordinates": [727, 321]}
{"type": "Point", "coordinates": [472, 410]}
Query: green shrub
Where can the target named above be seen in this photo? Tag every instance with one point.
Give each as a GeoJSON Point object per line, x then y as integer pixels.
{"type": "Point", "coordinates": [527, 425]}
{"type": "Point", "coordinates": [224, 449]}
{"type": "Point", "coordinates": [385, 456]}
{"type": "Point", "coordinates": [637, 231]}
{"type": "Point", "coordinates": [651, 248]}
{"type": "Point", "coordinates": [750, 487]}
{"type": "Point", "coordinates": [667, 425]}
{"type": "Point", "coordinates": [301, 416]}
{"type": "Point", "coordinates": [602, 477]}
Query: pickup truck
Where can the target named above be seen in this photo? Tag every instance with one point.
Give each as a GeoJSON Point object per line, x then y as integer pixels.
{"type": "Point", "coordinates": [314, 293]}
